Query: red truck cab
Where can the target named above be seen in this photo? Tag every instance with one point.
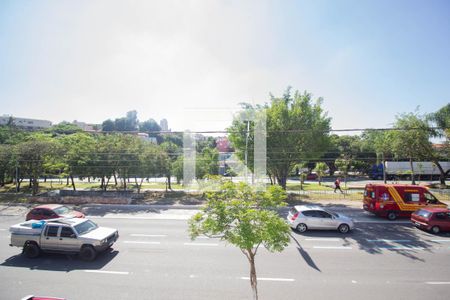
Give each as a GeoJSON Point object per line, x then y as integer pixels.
{"type": "Point", "coordinates": [397, 200]}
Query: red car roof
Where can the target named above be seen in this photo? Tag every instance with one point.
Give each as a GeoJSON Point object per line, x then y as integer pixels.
{"type": "Point", "coordinates": [49, 206]}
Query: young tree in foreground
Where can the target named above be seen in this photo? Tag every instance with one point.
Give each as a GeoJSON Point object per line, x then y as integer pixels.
{"type": "Point", "coordinates": [244, 218]}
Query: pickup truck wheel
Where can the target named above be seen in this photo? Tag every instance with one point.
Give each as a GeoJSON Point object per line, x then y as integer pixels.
{"type": "Point", "coordinates": [31, 250]}
{"type": "Point", "coordinates": [88, 253]}
{"type": "Point", "coordinates": [435, 229]}
{"type": "Point", "coordinates": [391, 216]}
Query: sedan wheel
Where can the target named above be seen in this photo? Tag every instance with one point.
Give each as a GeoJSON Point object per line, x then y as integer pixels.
{"type": "Point", "coordinates": [343, 228]}
{"type": "Point", "coordinates": [302, 227]}
{"type": "Point", "coordinates": [435, 229]}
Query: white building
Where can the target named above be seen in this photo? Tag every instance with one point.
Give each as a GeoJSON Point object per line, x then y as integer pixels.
{"type": "Point", "coordinates": [29, 124]}
{"type": "Point", "coordinates": [164, 125]}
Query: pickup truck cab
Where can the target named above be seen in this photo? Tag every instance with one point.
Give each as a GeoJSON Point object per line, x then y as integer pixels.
{"type": "Point", "coordinates": [71, 235]}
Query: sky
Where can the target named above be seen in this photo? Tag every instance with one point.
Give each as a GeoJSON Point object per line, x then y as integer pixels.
{"type": "Point", "coordinates": [193, 62]}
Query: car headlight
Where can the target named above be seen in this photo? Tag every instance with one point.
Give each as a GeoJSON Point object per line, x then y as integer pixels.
{"type": "Point", "coordinates": [104, 241]}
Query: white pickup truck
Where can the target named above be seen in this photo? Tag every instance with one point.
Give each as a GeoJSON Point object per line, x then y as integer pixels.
{"type": "Point", "coordinates": [64, 235]}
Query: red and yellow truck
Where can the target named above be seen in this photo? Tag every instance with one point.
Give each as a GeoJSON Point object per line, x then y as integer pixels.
{"type": "Point", "coordinates": [397, 200]}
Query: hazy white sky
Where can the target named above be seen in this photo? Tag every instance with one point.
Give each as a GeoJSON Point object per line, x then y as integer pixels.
{"type": "Point", "coordinates": [192, 62]}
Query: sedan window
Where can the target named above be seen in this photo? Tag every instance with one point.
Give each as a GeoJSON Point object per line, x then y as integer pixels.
{"type": "Point", "coordinates": [47, 213]}
{"type": "Point", "coordinates": [62, 210]}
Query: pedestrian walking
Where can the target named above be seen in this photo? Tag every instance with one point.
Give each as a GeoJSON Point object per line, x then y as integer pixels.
{"type": "Point", "coordinates": [337, 185]}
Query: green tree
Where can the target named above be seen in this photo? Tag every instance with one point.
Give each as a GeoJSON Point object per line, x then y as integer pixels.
{"type": "Point", "coordinates": [172, 152]}
{"type": "Point", "coordinates": [381, 143]}
{"type": "Point", "coordinates": [78, 155]}
{"type": "Point", "coordinates": [244, 218]}
{"type": "Point", "coordinates": [297, 131]}
{"type": "Point", "coordinates": [33, 158]}
{"type": "Point", "coordinates": [6, 163]}
{"type": "Point", "coordinates": [153, 161]}
{"type": "Point", "coordinates": [320, 169]}
{"type": "Point", "coordinates": [149, 126]}
{"type": "Point", "coordinates": [411, 139]}
{"type": "Point", "coordinates": [63, 128]}
{"type": "Point", "coordinates": [108, 125]}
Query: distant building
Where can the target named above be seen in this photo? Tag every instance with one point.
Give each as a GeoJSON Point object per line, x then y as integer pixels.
{"type": "Point", "coordinates": [164, 125]}
{"type": "Point", "coordinates": [144, 136]}
{"type": "Point", "coordinates": [28, 124]}
{"type": "Point", "coordinates": [84, 126]}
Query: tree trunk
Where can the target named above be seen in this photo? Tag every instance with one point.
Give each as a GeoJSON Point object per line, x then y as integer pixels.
{"type": "Point", "coordinates": [253, 279]}
{"type": "Point", "coordinates": [413, 179]}
{"type": "Point", "coordinates": [107, 182]}
{"type": "Point", "coordinates": [441, 171]}
{"type": "Point", "coordinates": [73, 182]}
{"type": "Point", "coordinates": [282, 181]}
{"type": "Point", "coordinates": [115, 179]}
{"type": "Point", "coordinates": [124, 183]}
{"type": "Point", "coordinates": [169, 183]}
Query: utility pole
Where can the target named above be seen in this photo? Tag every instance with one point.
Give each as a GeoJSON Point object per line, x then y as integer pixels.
{"type": "Point", "coordinates": [246, 149]}
{"type": "Point", "coordinates": [17, 177]}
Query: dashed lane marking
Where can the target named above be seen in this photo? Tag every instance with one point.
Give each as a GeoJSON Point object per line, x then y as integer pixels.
{"type": "Point", "coordinates": [437, 282]}
{"type": "Point", "coordinates": [400, 248]}
{"type": "Point", "coordinates": [141, 242]}
{"type": "Point", "coordinates": [441, 241]}
{"type": "Point", "coordinates": [270, 279]}
{"type": "Point", "coordinates": [148, 235]}
{"type": "Point", "coordinates": [388, 241]}
{"type": "Point", "coordinates": [324, 239]}
{"type": "Point", "coordinates": [107, 272]}
{"type": "Point", "coordinates": [201, 244]}
{"type": "Point", "coordinates": [333, 247]}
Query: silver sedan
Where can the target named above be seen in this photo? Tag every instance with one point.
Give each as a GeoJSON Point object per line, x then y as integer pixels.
{"type": "Point", "coordinates": [305, 217]}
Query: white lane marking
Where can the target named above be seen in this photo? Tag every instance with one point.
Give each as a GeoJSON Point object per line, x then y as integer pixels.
{"type": "Point", "coordinates": [324, 239]}
{"type": "Point", "coordinates": [270, 279]}
{"type": "Point", "coordinates": [107, 272]}
{"type": "Point", "coordinates": [148, 235]}
{"type": "Point", "coordinates": [387, 241]}
{"type": "Point", "coordinates": [354, 281]}
{"type": "Point", "coordinates": [333, 247]}
{"type": "Point", "coordinates": [142, 242]}
{"type": "Point", "coordinates": [156, 217]}
{"type": "Point", "coordinates": [437, 282]}
{"type": "Point", "coordinates": [383, 222]}
{"type": "Point", "coordinates": [1, 229]}
{"type": "Point", "coordinates": [400, 248]}
{"type": "Point", "coordinates": [441, 241]}
{"type": "Point", "coordinates": [200, 244]}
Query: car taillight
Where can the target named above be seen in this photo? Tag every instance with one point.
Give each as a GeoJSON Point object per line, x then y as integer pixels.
{"type": "Point", "coordinates": [294, 217]}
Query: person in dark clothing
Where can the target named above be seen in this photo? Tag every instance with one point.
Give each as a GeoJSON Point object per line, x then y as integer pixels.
{"type": "Point", "coordinates": [337, 185]}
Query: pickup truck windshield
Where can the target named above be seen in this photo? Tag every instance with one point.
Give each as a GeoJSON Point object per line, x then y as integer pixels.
{"type": "Point", "coordinates": [85, 227]}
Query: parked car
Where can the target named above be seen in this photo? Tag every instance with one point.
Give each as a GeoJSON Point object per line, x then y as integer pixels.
{"type": "Point", "coordinates": [52, 211]}
{"type": "Point", "coordinates": [305, 217]}
{"type": "Point", "coordinates": [31, 297]}
{"type": "Point", "coordinates": [398, 200]}
{"type": "Point", "coordinates": [311, 176]}
{"type": "Point", "coordinates": [432, 219]}
{"type": "Point", "coordinates": [69, 235]}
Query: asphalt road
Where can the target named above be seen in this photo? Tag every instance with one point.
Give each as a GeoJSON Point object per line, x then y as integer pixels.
{"type": "Point", "coordinates": [155, 259]}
